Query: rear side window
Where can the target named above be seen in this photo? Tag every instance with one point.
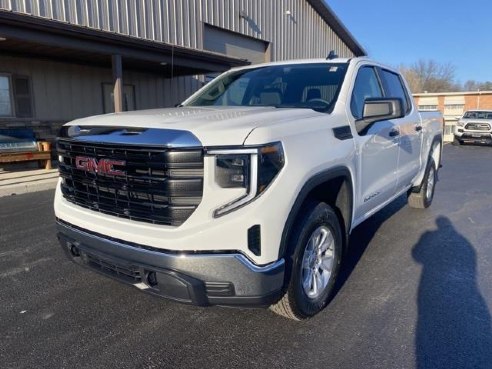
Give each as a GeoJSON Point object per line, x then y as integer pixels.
{"type": "Point", "coordinates": [366, 86]}
{"type": "Point", "coordinates": [394, 88]}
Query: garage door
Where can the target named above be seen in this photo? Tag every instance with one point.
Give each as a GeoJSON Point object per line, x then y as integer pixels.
{"type": "Point", "coordinates": [234, 44]}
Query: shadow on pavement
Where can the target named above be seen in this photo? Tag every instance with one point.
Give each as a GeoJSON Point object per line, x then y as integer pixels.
{"type": "Point", "coordinates": [361, 238]}
{"type": "Point", "coordinates": [454, 324]}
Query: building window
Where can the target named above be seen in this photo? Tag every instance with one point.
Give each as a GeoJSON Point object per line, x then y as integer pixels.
{"type": "Point", "coordinates": [128, 98]}
{"type": "Point", "coordinates": [15, 96]}
{"type": "Point", "coordinates": [427, 107]}
{"type": "Point", "coordinates": [454, 109]}
{"type": "Point", "coordinates": [5, 96]}
{"type": "Point", "coordinates": [22, 93]}
{"type": "Point", "coordinates": [448, 129]}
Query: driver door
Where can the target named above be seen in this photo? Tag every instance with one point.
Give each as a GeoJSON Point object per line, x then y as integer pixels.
{"type": "Point", "coordinates": [377, 148]}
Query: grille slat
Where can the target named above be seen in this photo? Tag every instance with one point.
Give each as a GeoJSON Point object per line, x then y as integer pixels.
{"type": "Point", "coordinates": [164, 187]}
{"type": "Point", "coordinates": [156, 185]}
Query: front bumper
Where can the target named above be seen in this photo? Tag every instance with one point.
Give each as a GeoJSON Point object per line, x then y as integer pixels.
{"type": "Point", "coordinates": [474, 137]}
{"type": "Point", "coordinates": [199, 279]}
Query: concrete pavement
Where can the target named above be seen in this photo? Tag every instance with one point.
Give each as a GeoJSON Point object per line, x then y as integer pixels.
{"type": "Point", "coordinates": [415, 292]}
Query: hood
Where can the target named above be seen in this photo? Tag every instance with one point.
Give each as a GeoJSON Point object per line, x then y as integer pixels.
{"type": "Point", "coordinates": [475, 120]}
{"type": "Point", "coordinates": [214, 126]}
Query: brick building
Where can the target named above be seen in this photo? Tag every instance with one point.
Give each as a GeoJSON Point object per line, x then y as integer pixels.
{"type": "Point", "coordinates": [452, 105]}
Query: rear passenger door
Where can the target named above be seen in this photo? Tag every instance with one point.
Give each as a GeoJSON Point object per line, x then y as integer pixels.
{"type": "Point", "coordinates": [409, 127]}
{"type": "Point", "coordinates": [377, 147]}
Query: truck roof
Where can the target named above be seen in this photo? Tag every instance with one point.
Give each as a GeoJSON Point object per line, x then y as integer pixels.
{"type": "Point", "coordinates": [305, 61]}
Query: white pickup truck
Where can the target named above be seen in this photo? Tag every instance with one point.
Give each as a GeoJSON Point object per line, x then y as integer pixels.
{"type": "Point", "coordinates": [475, 126]}
{"type": "Point", "coordinates": [246, 193]}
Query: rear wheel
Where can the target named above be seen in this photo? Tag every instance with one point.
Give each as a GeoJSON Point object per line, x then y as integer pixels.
{"type": "Point", "coordinates": [315, 263]}
{"type": "Point", "coordinates": [423, 198]}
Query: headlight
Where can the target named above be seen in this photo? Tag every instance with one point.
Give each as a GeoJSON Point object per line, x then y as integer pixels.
{"type": "Point", "coordinates": [460, 123]}
{"type": "Point", "coordinates": [253, 169]}
{"type": "Point", "coordinates": [270, 161]}
{"type": "Point", "coordinates": [232, 170]}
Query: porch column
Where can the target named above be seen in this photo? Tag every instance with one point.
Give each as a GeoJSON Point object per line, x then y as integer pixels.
{"type": "Point", "coordinates": [117, 83]}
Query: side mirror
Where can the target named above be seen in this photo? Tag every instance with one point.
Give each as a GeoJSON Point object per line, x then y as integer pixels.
{"type": "Point", "coordinates": [377, 109]}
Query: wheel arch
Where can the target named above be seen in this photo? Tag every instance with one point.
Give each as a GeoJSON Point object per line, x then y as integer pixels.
{"type": "Point", "coordinates": [341, 197]}
{"type": "Point", "coordinates": [437, 139]}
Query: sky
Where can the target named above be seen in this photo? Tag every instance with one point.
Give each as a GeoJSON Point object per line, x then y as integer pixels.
{"type": "Point", "coordinates": [398, 32]}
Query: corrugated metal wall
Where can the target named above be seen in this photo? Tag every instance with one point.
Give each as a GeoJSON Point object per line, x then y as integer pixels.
{"type": "Point", "coordinates": [67, 91]}
{"type": "Point", "coordinates": [302, 34]}
{"type": "Point", "coordinates": [60, 90]}
{"type": "Point", "coordinates": [63, 91]}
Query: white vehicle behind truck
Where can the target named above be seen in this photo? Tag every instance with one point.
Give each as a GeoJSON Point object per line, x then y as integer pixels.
{"type": "Point", "coordinates": [245, 194]}
{"type": "Point", "coordinates": [475, 126]}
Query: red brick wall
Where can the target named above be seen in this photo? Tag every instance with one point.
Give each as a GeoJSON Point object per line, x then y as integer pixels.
{"type": "Point", "coordinates": [477, 101]}
{"type": "Point", "coordinates": [472, 101]}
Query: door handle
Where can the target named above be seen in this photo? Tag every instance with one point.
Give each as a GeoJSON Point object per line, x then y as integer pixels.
{"type": "Point", "coordinates": [418, 128]}
{"type": "Point", "coordinates": [394, 133]}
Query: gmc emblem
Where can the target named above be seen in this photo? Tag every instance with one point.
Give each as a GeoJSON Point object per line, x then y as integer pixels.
{"type": "Point", "coordinates": [103, 166]}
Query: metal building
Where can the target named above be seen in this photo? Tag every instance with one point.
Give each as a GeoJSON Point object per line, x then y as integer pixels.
{"type": "Point", "coordinates": [65, 59]}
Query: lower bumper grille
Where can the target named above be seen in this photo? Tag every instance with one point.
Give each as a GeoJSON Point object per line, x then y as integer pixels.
{"type": "Point", "coordinates": [128, 274]}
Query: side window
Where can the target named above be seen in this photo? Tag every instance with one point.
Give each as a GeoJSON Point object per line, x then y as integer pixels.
{"type": "Point", "coordinates": [5, 96]}
{"type": "Point", "coordinates": [366, 86]}
{"type": "Point", "coordinates": [394, 88]}
{"type": "Point", "coordinates": [235, 93]}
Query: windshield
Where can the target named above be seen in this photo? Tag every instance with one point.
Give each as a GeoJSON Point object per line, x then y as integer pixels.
{"type": "Point", "coordinates": [478, 115]}
{"type": "Point", "coordinates": [314, 86]}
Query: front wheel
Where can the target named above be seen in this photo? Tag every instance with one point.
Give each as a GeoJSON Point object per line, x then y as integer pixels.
{"type": "Point", "coordinates": [456, 141]}
{"type": "Point", "coordinates": [317, 249]}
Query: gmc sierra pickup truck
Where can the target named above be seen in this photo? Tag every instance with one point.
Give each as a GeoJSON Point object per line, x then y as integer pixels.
{"type": "Point", "coordinates": [247, 192]}
{"type": "Point", "coordinates": [474, 127]}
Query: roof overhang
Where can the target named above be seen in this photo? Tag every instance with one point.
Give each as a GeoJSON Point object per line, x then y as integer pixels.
{"type": "Point", "coordinates": [336, 24]}
{"type": "Point", "coordinates": [26, 35]}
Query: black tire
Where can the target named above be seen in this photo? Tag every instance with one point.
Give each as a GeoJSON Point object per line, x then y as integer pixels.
{"type": "Point", "coordinates": [423, 197]}
{"type": "Point", "coordinates": [456, 141]}
{"type": "Point", "coordinates": [296, 303]}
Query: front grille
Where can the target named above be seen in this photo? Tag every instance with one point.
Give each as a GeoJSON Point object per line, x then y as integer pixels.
{"type": "Point", "coordinates": [155, 185]}
{"type": "Point", "coordinates": [478, 126]}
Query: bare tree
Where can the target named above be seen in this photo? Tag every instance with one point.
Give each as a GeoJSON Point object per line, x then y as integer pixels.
{"type": "Point", "coordinates": [430, 76]}
{"type": "Point", "coordinates": [470, 85]}
{"type": "Point", "coordinates": [486, 86]}
{"type": "Point", "coordinates": [477, 86]}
